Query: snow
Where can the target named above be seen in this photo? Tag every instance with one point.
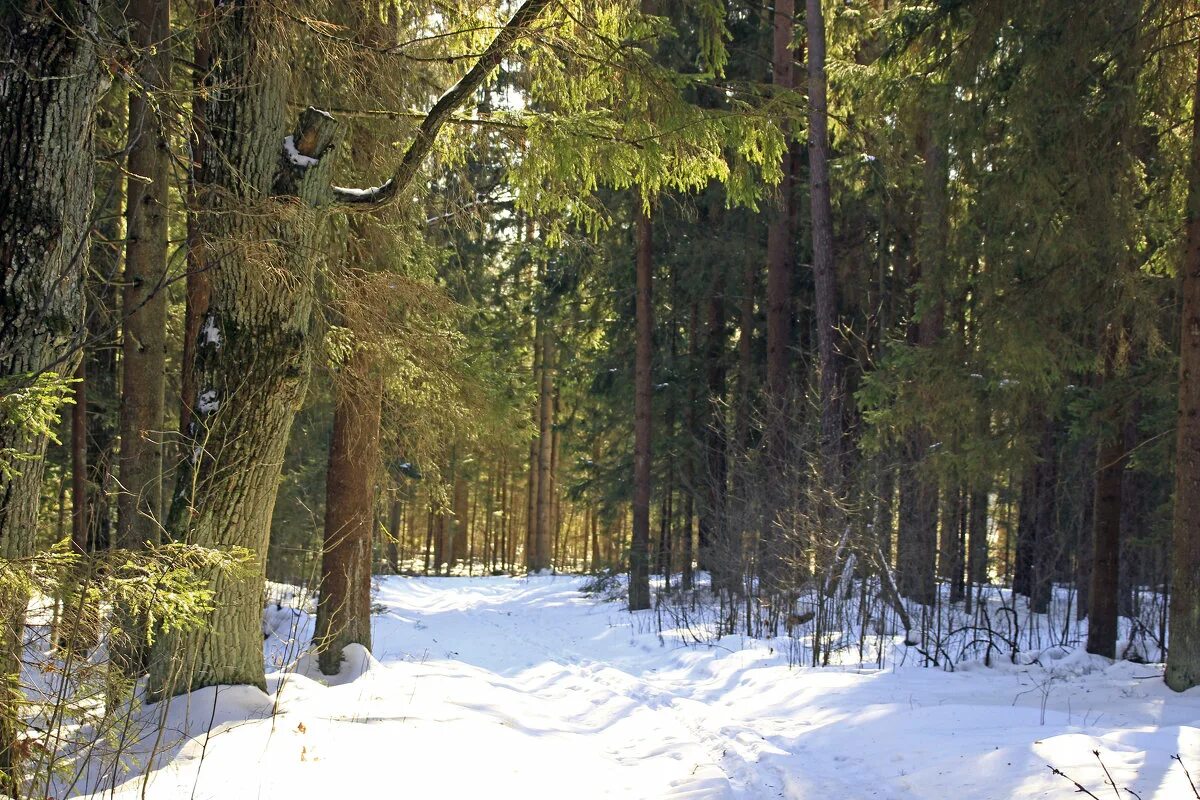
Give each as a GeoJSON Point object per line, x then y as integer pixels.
{"type": "Point", "coordinates": [505, 687]}
{"type": "Point", "coordinates": [295, 156]}
{"type": "Point", "coordinates": [210, 334]}
{"type": "Point", "coordinates": [207, 402]}
{"type": "Point", "coordinates": [362, 194]}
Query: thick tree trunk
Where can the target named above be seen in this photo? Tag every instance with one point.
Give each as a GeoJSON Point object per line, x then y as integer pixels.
{"type": "Point", "coordinates": [49, 88]}
{"type": "Point", "coordinates": [1183, 655]}
{"type": "Point", "coordinates": [144, 305]}
{"type": "Point", "coordinates": [639, 549]}
{"type": "Point", "coordinates": [344, 601]}
{"type": "Point", "coordinates": [260, 190]}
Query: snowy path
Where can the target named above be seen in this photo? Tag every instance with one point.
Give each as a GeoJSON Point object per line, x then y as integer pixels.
{"type": "Point", "coordinates": [505, 687]}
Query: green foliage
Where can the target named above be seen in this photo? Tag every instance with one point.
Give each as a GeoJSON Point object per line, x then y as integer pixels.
{"type": "Point", "coordinates": [30, 406]}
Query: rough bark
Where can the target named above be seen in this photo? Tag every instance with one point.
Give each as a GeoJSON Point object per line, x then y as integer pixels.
{"type": "Point", "coordinates": [1183, 655]}
{"type": "Point", "coordinates": [49, 88]}
{"type": "Point", "coordinates": [344, 601]}
{"type": "Point", "coordinates": [144, 304]}
{"type": "Point", "coordinates": [260, 196]}
{"type": "Point", "coordinates": [639, 549]}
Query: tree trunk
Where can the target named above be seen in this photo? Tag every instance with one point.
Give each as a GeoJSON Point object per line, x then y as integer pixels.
{"type": "Point", "coordinates": [48, 97]}
{"type": "Point", "coordinates": [461, 523]}
{"type": "Point", "coordinates": [545, 483]}
{"type": "Point", "coordinates": [781, 230]}
{"type": "Point", "coordinates": [1183, 656]}
{"type": "Point", "coordinates": [825, 297]}
{"type": "Point", "coordinates": [535, 452]}
{"type": "Point", "coordinates": [395, 534]}
{"type": "Point", "coordinates": [344, 601]}
{"type": "Point", "coordinates": [144, 304]}
{"type": "Point", "coordinates": [977, 543]}
{"type": "Point", "coordinates": [197, 286]}
{"type": "Point", "coordinates": [260, 193]}
{"type": "Point", "coordinates": [639, 549]}
{"type": "Point", "coordinates": [1106, 546]}
{"type": "Point", "coordinates": [722, 558]}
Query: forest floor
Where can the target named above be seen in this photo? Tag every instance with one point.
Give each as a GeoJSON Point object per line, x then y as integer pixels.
{"type": "Point", "coordinates": [526, 687]}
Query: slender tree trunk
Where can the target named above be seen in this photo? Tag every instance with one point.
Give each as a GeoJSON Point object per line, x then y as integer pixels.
{"type": "Point", "coordinates": [535, 452]}
{"type": "Point", "coordinates": [824, 269]}
{"type": "Point", "coordinates": [1106, 546]}
{"type": "Point", "coordinates": [258, 199]}
{"type": "Point", "coordinates": [781, 231]}
{"type": "Point", "coordinates": [396, 534]}
{"type": "Point", "coordinates": [48, 97]}
{"type": "Point", "coordinates": [344, 601]}
{"type": "Point", "coordinates": [714, 513]}
{"type": "Point", "coordinates": [545, 484]}
{"type": "Point", "coordinates": [918, 531]}
{"type": "Point", "coordinates": [977, 543]}
{"type": "Point", "coordinates": [198, 285]}
{"type": "Point", "coordinates": [639, 565]}
{"type": "Point", "coordinates": [460, 524]}
{"type": "Point", "coordinates": [1183, 656]}
{"type": "Point", "coordinates": [144, 305]}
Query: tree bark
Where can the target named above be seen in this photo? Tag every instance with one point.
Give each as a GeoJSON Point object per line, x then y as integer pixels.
{"type": "Point", "coordinates": [1106, 546]}
{"type": "Point", "coordinates": [545, 484]}
{"type": "Point", "coordinates": [781, 232]}
{"type": "Point", "coordinates": [639, 549]}
{"type": "Point", "coordinates": [824, 270]}
{"type": "Point", "coordinates": [1183, 656]}
{"type": "Point", "coordinates": [535, 451]}
{"type": "Point", "coordinates": [48, 96]}
{"type": "Point", "coordinates": [198, 285]}
{"type": "Point", "coordinates": [144, 304]}
{"type": "Point", "coordinates": [260, 196]}
{"type": "Point", "coordinates": [344, 601]}
{"type": "Point", "coordinates": [722, 557]}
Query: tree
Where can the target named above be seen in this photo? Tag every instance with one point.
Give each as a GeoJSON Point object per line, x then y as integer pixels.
{"type": "Point", "coordinates": [639, 549]}
{"type": "Point", "coordinates": [48, 96]}
{"type": "Point", "coordinates": [1183, 655]}
{"type": "Point", "coordinates": [144, 304]}
{"type": "Point", "coordinates": [262, 198]}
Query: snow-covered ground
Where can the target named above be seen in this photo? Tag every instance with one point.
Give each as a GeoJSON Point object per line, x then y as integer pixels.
{"type": "Point", "coordinates": [524, 687]}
